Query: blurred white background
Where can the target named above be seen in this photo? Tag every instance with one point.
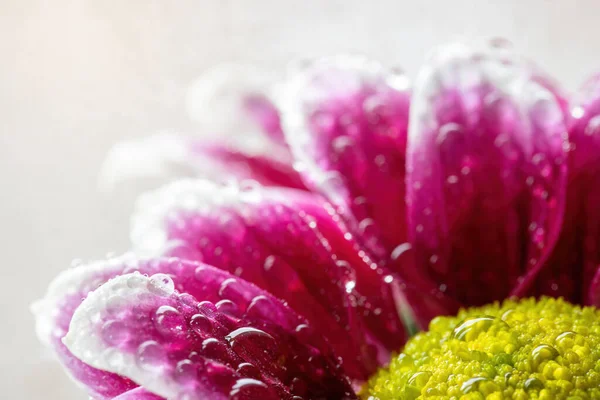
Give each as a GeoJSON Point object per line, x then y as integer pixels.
{"type": "Point", "coordinates": [77, 76]}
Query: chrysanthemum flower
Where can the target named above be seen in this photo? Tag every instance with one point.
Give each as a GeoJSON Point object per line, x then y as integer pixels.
{"type": "Point", "coordinates": [306, 282]}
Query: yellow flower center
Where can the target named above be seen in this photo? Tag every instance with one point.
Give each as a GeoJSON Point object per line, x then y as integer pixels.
{"type": "Point", "coordinates": [521, 349]}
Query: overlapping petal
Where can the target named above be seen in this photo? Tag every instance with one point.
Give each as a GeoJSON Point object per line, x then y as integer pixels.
{"type": "Point", "coordinates": [345, 119]}
{"type": "Point", "coordinates": [486, 173]}
{"type": "Point", "coordinates": [53, 316]}
{"type": "Point", "coordinates": [289, 243]}
{"type": "Point", "coordinates": [156, 302]}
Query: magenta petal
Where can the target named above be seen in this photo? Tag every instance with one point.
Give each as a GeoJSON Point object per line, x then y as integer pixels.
{"type": "Point", "coordinates": [346, 120]}
{"type": "Point", "coordinates": [486, 169]}
{"type": "Point", "coordinates": [273, 169]}
{"type": "Point", "coordinates": [177, 347]}
{"type": "Point", "coordinates": [572, 271]}
{"type": "Point", "coordinates": [53, 316]}
{"type": "Point", "coordinates": [289, 243]}
{"type": "Point", "coordinates": [169, 155]}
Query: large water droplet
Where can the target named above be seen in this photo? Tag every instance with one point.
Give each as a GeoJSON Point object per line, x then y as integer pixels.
{"type": "Point", "coordinates": [201, 324]}
{"type": "Point", "coordinates": [115, 332]}
{"type": "Point", "coordinates": [253, 344]}
{"type": "Point", "coordinates": [228, 307]}
{"type": "Point", "coordinates": [248, 388]}
{"type": "Point", "coordinates": [248, 370]}
{"type": "Point", "coordinates": [151, 356]}
{"type": "Point", "coordinates": [161, 285]}
{"type": "Point", "coordinates": [419, 379]}
{"type": "Point", "coordinates": [541, 353]}
{"type": "Point", "coordinates": [473, 384]}
{"type": "Point", "coordinates": [533, 384]}
{"type": "Point", "coordinates": [169, 321]}
{"type": "Point", "coordinates": [185, 372]}
{"type": "Point", "coordinates": [471, 328]}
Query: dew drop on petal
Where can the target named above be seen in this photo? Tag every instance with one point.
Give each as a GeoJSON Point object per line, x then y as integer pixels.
{"type": "Point", "coordinates": [185, 372]}
{"type": "Point", "coordinates": [169, 321]}
{"type": "Point", "coordinates": [161, 285]}
{"type": "Point", "coordinates": [151, 356]}
{"type": "Point", "coordinates": [115, 332]}
{"type": "Point", "coordinates": [228, 307]}
{"type": "Point", "coordinates": [248, 388]}
{"type": "Point", "coordinates": [200, 324]}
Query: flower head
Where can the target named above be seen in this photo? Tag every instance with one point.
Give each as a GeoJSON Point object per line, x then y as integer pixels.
{"type": "Point", "coordinates": [520, 349]}
{"type": "Point", "coordinates": [371, 209]}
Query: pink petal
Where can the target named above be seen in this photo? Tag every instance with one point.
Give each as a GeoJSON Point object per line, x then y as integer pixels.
{"type": "Point", "coordinates": [168, 156]}
{"type": "Point", "coordinates": [486, 169]}
{"type": "Point", "coordinates": [573, 269]}
{"type": "Point", "coordinates": [289, 243]}
{"type": "Point", "coordinates": [53, 316]}
{"type": "Point", "coordinates": [177, 347]}
{"type": "Point", "coordinates": [346, 120]}
{"type": "Point", "coordinates": [234, 101]}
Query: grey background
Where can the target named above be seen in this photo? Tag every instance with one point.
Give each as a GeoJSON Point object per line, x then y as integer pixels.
{"type": "Point", "coordinates": [77, 76]}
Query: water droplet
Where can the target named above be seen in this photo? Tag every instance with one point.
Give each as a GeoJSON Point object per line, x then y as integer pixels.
{"type": "Point", "coordinates": [419, 379]}
{"type": "Point", "coordinates": [228, 307]}
{"type": "Point", "coordinates": [136, 281]}
{"type": "Point", "coordinates": [341, 143]}
{"type": "Point", "coordinates": [169, 321]}
{"type": "Point", "coordinates": [225, 285]}
{"type": "Point", "coordinates": [471, 328]}
{"type": "Point", "coordinates": [115, 332]}
{"type": "Point", "coordinates": [472, 384]}
{"type": "Point", "coordinates": [248, 388]}
{"type": "Point", "coordinates": [201, 324]}
{"type": "Point", "coordinates": [405, 361]}
{"type": "Point", "coordinates": [185, 372]}
{"type": "Point", "coordinates": [215, 350]}
{"type": "Point", "coordinates": [114, 358]}
{"type": "Point", "coordinates": [593, 126]}
{"type": "Point", "coordinates": [151, 356]}
{"type": "Point", "coordinates": [399, 250]}
{"type": "Point", "coordinates": [269, 261]}
{"type": "Point", "coordinates": [452, 179]}
{"type": "Point", "coordinates": [253, 343]}
{"type": "Point", "coordinates": [533, 384]}
{"type": "Point", "coordinates": [380, 160]}
{"type": "Point", "coordinates": [260, 307]}
{"type": "Point", "coordinates": [161, 285]}
{"type": "Point", "coordinates": [350, 286]}
{"type": "Point", "coordinates": [248, 370]}
{"type": "Point", "coordinates": [541, 353]}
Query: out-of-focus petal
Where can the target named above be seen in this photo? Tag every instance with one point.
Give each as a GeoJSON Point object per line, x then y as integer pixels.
{"type": "Point", "coordinates": [345, 119]}
{"type": "Point", "coordinates": [53, 315]}
{"type": "Point", "coordinates": [239, 136]}
{"type": "Point", "coordinates": [289, 243]}
{"type": "Point", "coordinates": [573, 269]}
{"type": "Point", "coordinates": [176, 347]}
{"type": "Point", "coordinates": [234, 102]}
{"type": "Point", "coordinates": [167, 156]}
{"type": "Point", "coordinates": [486, 173]}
